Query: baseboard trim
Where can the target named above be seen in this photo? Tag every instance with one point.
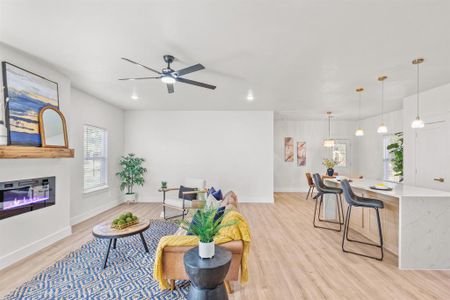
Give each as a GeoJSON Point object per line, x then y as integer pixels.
{"type": "Point", "coordinates": [242, 199]}
{"type": "Point", "coordinates": [93, 212]}
{"type": "Point", "coordinates": [32, 248]}
{"type": "Point", "coordinates": [291, 190]}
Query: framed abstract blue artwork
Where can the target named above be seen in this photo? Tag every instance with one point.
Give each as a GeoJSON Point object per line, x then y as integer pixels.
{"type": "Point", "coordinates": [25, 95]}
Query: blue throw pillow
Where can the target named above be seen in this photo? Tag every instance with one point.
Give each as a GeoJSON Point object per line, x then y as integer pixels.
{"type": "Point", "coordinates": [211, 190]}
{"type": "Point", "coordinates": [218, 194]}
{"type": "Point", "coordinates": [219, 213]}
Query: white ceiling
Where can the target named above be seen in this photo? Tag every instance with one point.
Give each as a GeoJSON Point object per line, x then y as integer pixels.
{"type": "Point", "coordinates": [306, 56]}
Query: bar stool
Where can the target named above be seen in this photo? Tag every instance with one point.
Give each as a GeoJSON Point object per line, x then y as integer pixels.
{"type": "Point", "coordinates": [310, 184]}
{"type": "Point", "coordinates": [322, 189]}
{"type": "Point", "coordinates": [357, 201]}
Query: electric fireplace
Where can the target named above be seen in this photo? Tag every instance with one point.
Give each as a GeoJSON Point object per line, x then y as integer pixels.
{"type": "Point", "coordinates": [21, 196]}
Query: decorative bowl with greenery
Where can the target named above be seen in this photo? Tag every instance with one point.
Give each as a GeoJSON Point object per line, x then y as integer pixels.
{"type": "Point", "coordinates": [125, 220]}
{"type": "Point", "coordinates": [205, 224]}
{"type": "Point", "coordinates": [132, 174]}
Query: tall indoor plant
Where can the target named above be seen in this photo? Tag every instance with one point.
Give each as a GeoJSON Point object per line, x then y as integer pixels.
{"type": "Point", "coordinates": [132, 174]}
{"type": "Point", "coordinates": [396, 150]}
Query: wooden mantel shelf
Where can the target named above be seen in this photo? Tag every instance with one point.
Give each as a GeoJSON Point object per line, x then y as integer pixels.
{"type": "Point", "coordinates": [35, 152]}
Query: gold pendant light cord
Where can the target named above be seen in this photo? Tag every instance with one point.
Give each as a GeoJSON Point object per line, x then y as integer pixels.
{"type": "Point", "coordinates": [417, 90]}
{"type": "Point", "coordinates": [382, 102]}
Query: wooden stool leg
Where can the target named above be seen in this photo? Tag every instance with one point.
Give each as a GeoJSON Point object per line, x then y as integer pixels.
{"type": "Point", "coordinates": [172, 284]}
{"type": "Point", "coordinates": [228, 287]}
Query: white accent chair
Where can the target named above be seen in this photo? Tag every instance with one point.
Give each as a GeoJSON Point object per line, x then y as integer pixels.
{"type": "Point", "coordinates": [182, 204]}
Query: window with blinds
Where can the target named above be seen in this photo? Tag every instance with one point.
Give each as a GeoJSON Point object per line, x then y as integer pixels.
{"type": "Point", "coordinates": [95, 158]}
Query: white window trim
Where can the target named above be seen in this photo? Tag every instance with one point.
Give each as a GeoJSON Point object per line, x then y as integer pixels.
{"type": "Point", "coordinates": [105, 186]}
{"type": "Point", "coordinates": [96, 189]}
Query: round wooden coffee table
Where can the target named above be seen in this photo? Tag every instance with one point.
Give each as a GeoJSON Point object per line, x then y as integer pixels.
{"type": "Point", "coordinates": [104, 231]}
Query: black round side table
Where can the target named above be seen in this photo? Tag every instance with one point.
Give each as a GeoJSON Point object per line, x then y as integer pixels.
{"type": "Point", "coordinates": [207, 275]}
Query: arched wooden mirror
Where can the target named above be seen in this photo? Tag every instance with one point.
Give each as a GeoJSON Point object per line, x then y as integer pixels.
{"type": "Point", "coordinates": [53, 128]}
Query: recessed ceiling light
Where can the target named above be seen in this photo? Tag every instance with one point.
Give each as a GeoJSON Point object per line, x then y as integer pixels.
{"type": "Point", "coordinates": [134, 97]}
{"type": "Point", "coordinates": [250, 96]}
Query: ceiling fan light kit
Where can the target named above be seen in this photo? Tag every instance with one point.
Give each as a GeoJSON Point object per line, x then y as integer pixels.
{"type": "Point", "coordinates": [170, 76]}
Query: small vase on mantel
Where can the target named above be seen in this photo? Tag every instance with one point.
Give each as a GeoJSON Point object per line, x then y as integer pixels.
{"type": "Point", "coordinates": [206, 250]}
{"type": "Point", "coordinates": [330, 172]}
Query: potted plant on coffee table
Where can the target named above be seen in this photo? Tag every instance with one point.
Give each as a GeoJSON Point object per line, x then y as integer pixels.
{"type": "Point", "coordinates": [132, 174]}
{"type": "Point", "coordinates": [206, 223]}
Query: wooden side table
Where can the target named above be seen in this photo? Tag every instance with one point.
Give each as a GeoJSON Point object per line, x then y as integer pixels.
{"type": "Point", "coordinates": [104, 231]}
{"type": "Point", "coordinates": [207, 275]}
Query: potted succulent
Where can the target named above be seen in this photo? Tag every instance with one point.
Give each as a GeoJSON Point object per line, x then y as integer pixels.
{"type": "Point", "coordinates": [205, 224]}
{"type": "Point", "coordinates": [330, 164]}
{"type": "Point", "coordinates": [132, 174]}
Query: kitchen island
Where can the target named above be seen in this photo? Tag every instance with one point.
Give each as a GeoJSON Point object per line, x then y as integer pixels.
{"type": "Point", "coordinates": [415, 222]}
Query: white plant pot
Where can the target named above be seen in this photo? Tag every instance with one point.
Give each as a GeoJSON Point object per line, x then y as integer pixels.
{"type": "Point", "coordinates": [129, 197]}
{"type": "Point", "coordinates": [206, 250]}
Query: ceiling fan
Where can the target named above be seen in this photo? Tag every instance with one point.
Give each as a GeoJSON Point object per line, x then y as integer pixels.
{"type": "Point", "coordinates": [170, 76]}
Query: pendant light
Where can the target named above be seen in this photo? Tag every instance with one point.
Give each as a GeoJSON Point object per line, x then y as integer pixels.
{"type": "Point", "coordinates": [382, 128]}
{"type": "Point", "coordinates": [418, 122]}
{"type": "Point", "coordinates": [329, 142]}
{"type": "Point", "coordinates": [359, 131]}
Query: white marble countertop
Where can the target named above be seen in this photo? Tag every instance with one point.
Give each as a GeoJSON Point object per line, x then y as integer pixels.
{"type": "Point", "coordinates": [398, 189]}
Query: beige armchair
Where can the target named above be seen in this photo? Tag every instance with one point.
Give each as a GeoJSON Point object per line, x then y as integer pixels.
{"type": "Point", "coordinates": [180, 203]}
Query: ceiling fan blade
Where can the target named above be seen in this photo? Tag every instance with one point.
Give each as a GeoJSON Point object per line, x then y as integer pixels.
{"type": "Point", "coordinates": [140, 78]}
{"type": "Point", "coordinates": [140, 65]}
{"type": "Point", "coordinates": [170, 88]}
{"type": "Point", "coordinates": [190, 69]}
{"type": "Point", "coordinates": [201, 84]}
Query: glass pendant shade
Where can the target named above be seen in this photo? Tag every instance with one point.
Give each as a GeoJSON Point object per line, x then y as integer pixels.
{"type": "Point", "coordinates": [359, 132]}
{"type": "Point", "coordinates": [382, 129]}
{"type": "Point", "coordinates": [417, 123]}
{"type": "Point", "coordinates": [328, 143]}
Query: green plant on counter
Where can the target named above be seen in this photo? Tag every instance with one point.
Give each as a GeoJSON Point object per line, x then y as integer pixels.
{"type": "Point", "coordinates": [329, 163]}
{"type": "Point", "coordinates": [396, 150]}
{"type": "Point", "coordinates": [132, 172]}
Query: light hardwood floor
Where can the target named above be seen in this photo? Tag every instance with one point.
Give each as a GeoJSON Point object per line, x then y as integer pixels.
{"type": "Point", "coordinates": [289, 259]}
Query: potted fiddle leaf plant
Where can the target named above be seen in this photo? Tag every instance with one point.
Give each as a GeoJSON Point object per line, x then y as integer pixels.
{"type": "Point", "coordinates": [132, 174]}
{"type": "Point", "coordinates": [330, 164]}
{"type": "Point", "coordinates": [396, 151]}
{"type": "Point", "coordinates": [206, 224]}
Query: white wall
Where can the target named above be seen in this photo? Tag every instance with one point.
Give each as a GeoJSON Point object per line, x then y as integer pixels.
{"type": "Point", "coordinates": [24, 234]}
{"type": "Point", "coordinates": [89, 110]}
{"type": "Point", "coordinates": [289, 177]}
{"type": "Point", "coordinates": [370, 146]}
{"type": "Point", "coordinates": [232, 150]}
{"type": "Point", "coordinates": [434, 108]}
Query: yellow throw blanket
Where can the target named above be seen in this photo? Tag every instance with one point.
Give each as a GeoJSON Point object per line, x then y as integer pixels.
{"type": "Point", "coordinates": [237, 232]}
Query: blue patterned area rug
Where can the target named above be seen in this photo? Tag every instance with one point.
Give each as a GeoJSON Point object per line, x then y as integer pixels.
{"type": "Point", "coordinates": [129, 274]}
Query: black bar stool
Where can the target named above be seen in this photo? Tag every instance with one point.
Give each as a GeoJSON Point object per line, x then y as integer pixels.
{"type": "Point", "coordinates": [354, 200]}
{"type": "Point", "coordinates": [322, 189]}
